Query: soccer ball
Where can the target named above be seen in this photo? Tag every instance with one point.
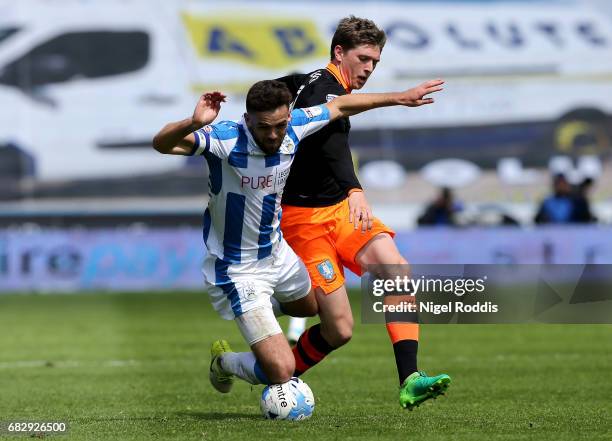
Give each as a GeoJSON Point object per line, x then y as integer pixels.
{"type": "Point", "coordinates": [292, 400]}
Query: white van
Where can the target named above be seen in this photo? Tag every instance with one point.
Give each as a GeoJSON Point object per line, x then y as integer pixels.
{"type": "Point", "coordinates": [85, 85]}
{"type": "Point", "coordinates": [82, 86]}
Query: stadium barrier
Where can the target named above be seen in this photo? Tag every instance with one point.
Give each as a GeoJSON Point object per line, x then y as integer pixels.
{"type": "Point", "coordinates": [62, 260]}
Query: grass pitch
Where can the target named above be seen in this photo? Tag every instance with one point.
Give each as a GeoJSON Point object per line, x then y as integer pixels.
{"type": "Point", "coordinates": [134, 367]}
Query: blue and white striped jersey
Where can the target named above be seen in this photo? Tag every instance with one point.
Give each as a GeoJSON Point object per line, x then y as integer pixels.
{"type": "Point", "coordinates": [242, 221]}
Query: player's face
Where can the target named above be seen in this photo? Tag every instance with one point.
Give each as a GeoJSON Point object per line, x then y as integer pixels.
{"type": "Point", "coordinates": [357, 64]}
{"type": "Point", "coordinates": [269, 128]}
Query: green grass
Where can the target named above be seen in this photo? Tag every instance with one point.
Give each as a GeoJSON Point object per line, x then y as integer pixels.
{"type": "Point", "coordinates": [134, 367]}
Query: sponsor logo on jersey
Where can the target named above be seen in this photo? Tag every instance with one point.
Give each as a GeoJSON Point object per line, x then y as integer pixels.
{"type": "Point", "coordinates": [326, 269]}
{"type": "Point", "coordinates": [257, 182]}
{"type": "Point", "coordinates": [313, 111]}
{"type": "Point", "coordinates": [281, 177]}
{"type": "Point", "coordinates": [314, 77]}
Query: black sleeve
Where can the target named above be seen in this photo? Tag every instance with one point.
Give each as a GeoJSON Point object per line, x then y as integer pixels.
{"type": "Point", "coordinates": [293, 82]}
{"type": "Point", "coordinates": [334, 140]}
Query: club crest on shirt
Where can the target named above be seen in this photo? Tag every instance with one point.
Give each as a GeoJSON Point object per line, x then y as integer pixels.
{"type": "Point", "coordinates": [288, 146]}
{"type": "Point", "coordinates": [246, 290]}
{"type": "Point", "coordinates": [207, 129]}
{"type": "Point", "coordinates": [326, 269]}
{"type": "Point", "coordinates": [330, 97]}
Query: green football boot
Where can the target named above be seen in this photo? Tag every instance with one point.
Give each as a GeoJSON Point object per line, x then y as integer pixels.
{"type": "Point", "coordinates": [220, 379]}
{"type": "Point", "coordinates": [418, 388]}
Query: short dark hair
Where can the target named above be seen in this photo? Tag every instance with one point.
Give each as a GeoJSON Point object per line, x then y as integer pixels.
{"type": "Point", "coordinates": [354, 31]}
{"type": "Point", "coordinates": [559, 177]}
{"type": "Point", "coordinates": [267, 95]}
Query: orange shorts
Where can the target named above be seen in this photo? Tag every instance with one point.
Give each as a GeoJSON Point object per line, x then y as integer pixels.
{"type": "Point", "coordinates": [325, 240]}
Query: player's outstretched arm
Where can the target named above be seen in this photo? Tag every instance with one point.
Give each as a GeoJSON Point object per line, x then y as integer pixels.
{"type": "Point", "coordinates": [348, 105]}
{"type": "Point", "coordinates": [177, 138]}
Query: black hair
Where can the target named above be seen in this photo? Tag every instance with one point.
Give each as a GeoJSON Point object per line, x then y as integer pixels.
{"type": "Point", "coordinates": [267, 95]}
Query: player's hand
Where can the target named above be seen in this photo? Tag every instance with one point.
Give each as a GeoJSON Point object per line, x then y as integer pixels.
{"type": "Point", "coordinates": [360, 211]}
{"type": "Point", "coordinates": [417, 96]}
{"type": "Point", "coordinates": [208, 108]}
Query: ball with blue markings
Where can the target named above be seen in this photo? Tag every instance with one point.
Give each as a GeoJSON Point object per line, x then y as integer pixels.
{"type": "Point", "coordinates": [292, 401]}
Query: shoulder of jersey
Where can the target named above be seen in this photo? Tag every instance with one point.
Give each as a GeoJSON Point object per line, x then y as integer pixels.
{"type": "Point", "coordinates": [230, 124]}
{"type": "Point", "coordinates": [322, 77]}
{"type": "Point", "coordinates": [223, 129]}
{"type": "Point", "coordinates": [323, 84]}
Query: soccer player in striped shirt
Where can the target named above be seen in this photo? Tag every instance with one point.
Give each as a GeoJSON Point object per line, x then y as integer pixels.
{"type": "Point", "coordinates": [250, 271]}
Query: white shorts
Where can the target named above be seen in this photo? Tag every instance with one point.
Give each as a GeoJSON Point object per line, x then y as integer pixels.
{"type": "Point", "coordinates": [237, 288]}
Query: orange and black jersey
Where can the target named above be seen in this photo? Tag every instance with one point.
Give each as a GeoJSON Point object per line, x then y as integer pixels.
{"type": "Point", "coordinates": [322, 172]}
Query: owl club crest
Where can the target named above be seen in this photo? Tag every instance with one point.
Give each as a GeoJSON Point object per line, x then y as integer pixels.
{"type": "Point", "coordinates": [326, 269]}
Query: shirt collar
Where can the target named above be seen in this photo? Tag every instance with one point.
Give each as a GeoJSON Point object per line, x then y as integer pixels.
{"type": "Point", "coordinates": [333, 69]}
{"type": "Point", "coordinates": [251, 144]}
{"type": "Point", "coordinates": [287, 147]}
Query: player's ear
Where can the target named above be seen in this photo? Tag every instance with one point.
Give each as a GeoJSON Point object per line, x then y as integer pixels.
{"type": "Point", "coordinates": [338, 53]}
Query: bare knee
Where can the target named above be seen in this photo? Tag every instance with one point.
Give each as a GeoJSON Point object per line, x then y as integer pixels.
{"type": "Point", "coordinates": [279, 371]}
{"type": "Point", "coordinates": [344, 334]}
{"type": "Point", "coordinates": [275, 358]}
{"type": "Point", "coordinates": [339, 332]}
